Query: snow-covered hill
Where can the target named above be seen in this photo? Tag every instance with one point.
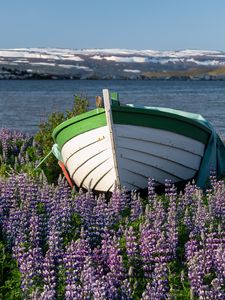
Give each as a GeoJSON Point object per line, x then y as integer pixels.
{"type": "Point", "coordinates": [110, 64]}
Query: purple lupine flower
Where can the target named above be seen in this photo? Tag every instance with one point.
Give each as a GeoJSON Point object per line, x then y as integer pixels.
{"type": "Point", "coordinates": [158, 215]}
{"type": "Point", "coordinates": [196, 271]}
{"type": "Point", "coordinates": [12, 145]}
{"type": "Point", "coordinates": [201, 217]}
{"type": "Point", "coordinates": [29, 265]}
{"type": "Point", "coordinates": [168, 186]}
{"type": "Point", "coordinates": [88, 278]}
{"type": "Point", "coordinates": [187, 220]}
{"type": "Point", "coordinates": [36, 221]}
{"type": "Point", "coordinates": [47, 294]}
{"type": "Point", "coordinates": [118, 202]}
{"type": "Point", "coordinates": [55, 241]}
{"type": "Point", "coordinates": [158, 288]}
{"type": "Point", "coordinates": [106, 243]}
{"type": "Point", "coordinates": [202, 263]}
{"type": "Point", "coordinates": [86, 207]}
{"type": "Point", "coordinates": [25, 265]}
{"type": "Point", "coordinates": [136, 207]}
{"type": "Point", "coordinates": [172, 231]}
{"type": "Point", "coordinates": [73, 291]}
{"type": "Point", "coordinates": [74, 259]}
{"type": "Point", "coordinates": [148, 294]}
{"type": "Point", "coordinates": [217, 200]}
{"type": "Point", "coordinates": [213, 179]}
{"type": "Point", "coordinates": [49, 276]}
{"type": "Point", "coordinates": [188, 196]}
{"type": "Point", "coordinates": [191, 247]}
{"type": "Point", "coordinates": [102, 212]}
{"type": "Point", "coordinates": [217, 289]}
{"type": "Point", "coordinates": [126, 290]}
{"type": "Point", "coordinates": [35, 295]}
{"type": "Point", "coordinates": [148, 239]}
{"type": "Point", "coordinates": [163, 248]}
{"type": "Point", "coordinates": [8, 199]}
{"type": "Point", "coordinates": [151, 191]}
{"type": "Point", "coordinates": [11, 224]}
{"type": "Point", "coordinates": [170, 191]}
{"type": "Point", "coordinates": [131, 245]}
{"type": "Point", "coordinates": [220, 259]}
{"type": "Point", "coordinates": [114, 261]}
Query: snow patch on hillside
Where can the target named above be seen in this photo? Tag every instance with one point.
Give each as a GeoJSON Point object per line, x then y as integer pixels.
{"type": "Point", "coordinates": [109, 54]}
{"type": "Point", "coordinates": [65, 66]}
{"type": "Point", "coordinates": [83, 68]}
{"type": "Point", "coordinates": [126, 59]}
{"type": "Point", "coordinates": [131, 71]}
{"type": "Point", "coordinates": [42, 64]}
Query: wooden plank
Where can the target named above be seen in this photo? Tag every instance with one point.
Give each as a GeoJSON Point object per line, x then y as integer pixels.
{"type": "Point", "coordinates": [147, 171]}
{"type": "Point", "coordinates": [97, 173]}
{"type": "Point", "coordinates": [106, 183]}
{"type": "Point", "coordinates": [161, 164]}
{"type": "Point", "coordinates": [89, 151]}
{"type": "Point", "coordinates": [149, 149]}
{"type": "Point", "coordinates": [79, 170]}
{"type": "Point", "coordinates": [135, 180]}
{"type": "Point", "coordinates": [87, 160]}
{"type": "Point", "coordinates": [99, 135]}
{"type": "Point", "coordinates": [160, 136]}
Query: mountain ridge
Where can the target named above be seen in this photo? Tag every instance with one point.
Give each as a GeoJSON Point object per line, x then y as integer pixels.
{"type": "Point", "coordinates": [59, 63]}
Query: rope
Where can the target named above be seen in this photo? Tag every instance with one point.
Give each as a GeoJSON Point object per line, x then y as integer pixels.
{"type": "Point", "coordinates": [41, 162]}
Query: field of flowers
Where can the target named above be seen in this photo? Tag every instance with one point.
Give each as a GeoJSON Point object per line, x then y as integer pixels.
{"type": "Point", "coordinates": [60, 244]}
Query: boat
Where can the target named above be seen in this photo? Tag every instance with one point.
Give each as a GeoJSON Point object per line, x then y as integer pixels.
{"type": "Point", "coordinates": [124, 145]}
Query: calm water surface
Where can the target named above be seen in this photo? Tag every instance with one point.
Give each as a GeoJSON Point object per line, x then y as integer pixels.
{"type": "Point", "coordinates": [24, 104]}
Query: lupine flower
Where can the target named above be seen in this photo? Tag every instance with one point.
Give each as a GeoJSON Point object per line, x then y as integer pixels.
{"type": "Point", "coordinates": [102, 254]}
{"type": "Point", "coordinates": [131, 245]}
{"type": "Point", "coordinates": [136, 207]}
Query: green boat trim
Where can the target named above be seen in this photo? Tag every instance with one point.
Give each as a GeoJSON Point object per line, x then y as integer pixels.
{"type": "Point", "coordinates": [165, 119]}
{"type": "Point", "coordinates": [186, 124]}
{"type": "Point", "coordinates": [77, 125]}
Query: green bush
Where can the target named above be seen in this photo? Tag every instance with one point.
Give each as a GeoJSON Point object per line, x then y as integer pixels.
{"type": "Point", "coordinates": [44, 140]}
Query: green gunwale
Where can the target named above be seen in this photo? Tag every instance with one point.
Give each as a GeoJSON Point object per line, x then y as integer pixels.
{"type": "Point", "coordinates": [127, 115]}
{"type": "Point", "coordinates": [72, 127]}
{"type": "Point", "coordinates": [161, 120]}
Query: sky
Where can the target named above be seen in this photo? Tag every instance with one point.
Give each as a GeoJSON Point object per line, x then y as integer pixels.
{"type": "Point", "coordinates": [129, 24]}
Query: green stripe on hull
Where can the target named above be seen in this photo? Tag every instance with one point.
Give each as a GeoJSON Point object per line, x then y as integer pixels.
{"type": "Point", "coordinates": [126, 115]}
{"type": "Point", "coordinates": [78, 125]}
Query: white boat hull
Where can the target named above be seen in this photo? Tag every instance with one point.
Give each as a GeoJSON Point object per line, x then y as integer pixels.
{"type": "Point", "coordinates": [140, 153]}
{"type": "Point", "coordinates": [127, 144]}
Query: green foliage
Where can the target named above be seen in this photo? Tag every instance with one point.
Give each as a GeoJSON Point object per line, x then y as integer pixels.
{"type": "Point", "coordinates": [74, 231]}
{"type": "Point", "coordinates": [80, 106]}
{"type": "Point", "coordinates": [3, 169]}
{"type": "Point", "coordinates": [178, 281]}
{"type": "Point", "coordinates": [10, 278]}
{"type": "Point", "coordinates": [44, 140]}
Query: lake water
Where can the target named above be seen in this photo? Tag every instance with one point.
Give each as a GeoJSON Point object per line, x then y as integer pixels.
{"type": "Point", "coordinates": [24, 104]}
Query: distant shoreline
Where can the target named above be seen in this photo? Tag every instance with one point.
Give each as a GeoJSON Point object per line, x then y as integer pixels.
{"type": "Point", "coordinates": [111, 64]}
{"type": "Point", "coordinates": [141, 78]}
